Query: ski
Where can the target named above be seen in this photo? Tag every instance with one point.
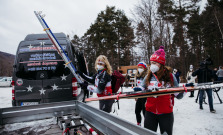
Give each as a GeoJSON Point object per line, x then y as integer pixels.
{"type": "Point", "coordinates": [165, 91]}
{"type": "Point", "coordinates": [55, 42]}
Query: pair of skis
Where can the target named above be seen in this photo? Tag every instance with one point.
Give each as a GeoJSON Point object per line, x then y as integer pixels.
{"type": "Point", "coordinates": [165, 91]}
{"type": "Point", "coordinates": [55, 42]}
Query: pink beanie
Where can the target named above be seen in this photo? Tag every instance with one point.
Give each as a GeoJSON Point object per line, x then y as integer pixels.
{"type": "Point", "coordinates": [159, 56]}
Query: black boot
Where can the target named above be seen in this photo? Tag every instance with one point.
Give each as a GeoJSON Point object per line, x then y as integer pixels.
{"type": "Point", "coordinates": [212, 110]}
{"type": "Point", "coordinates": [191, 94]}
{"type": "Point", "coordinates": [201, 107]}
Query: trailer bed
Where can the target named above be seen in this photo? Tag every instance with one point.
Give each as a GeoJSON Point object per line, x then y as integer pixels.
{"type": "Point", "coordinates": [54, 118]}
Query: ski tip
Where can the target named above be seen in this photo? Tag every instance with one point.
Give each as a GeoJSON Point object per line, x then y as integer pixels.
{"type": "Point", "coordinates": [39, 13]}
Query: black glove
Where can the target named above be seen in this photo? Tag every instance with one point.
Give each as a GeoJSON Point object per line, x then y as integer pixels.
{"type": "Point", "coordinates": [155, 89]}
{"type": "Point", "coordinates": [189, 84]}
{"type": "Point", "coordinates": [152, 90]}
{"type": "Point", "coordinates": [78, 72]}
{"type": "Point", "coordinates": [84, 85]}
{"type": "Point", "coordinates": [137, 89]}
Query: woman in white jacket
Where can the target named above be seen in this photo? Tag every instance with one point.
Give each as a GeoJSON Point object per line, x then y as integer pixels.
{"type": "Point", "coordinates": [190, 79]}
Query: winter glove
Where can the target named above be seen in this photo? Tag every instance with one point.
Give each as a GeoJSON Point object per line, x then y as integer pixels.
{"type": "Point", "coordinates": [137, 89]}
{"type": "Point", "coordinates": [154, 89]}
{"type": "Point", "coordinates": [84, 85]}
{"type": "Point", "coordinates": [78, 72]}
{"type": "Point", "coordinates": [189, 84]}
{"type": "Point", "coordinates": [94, 89]}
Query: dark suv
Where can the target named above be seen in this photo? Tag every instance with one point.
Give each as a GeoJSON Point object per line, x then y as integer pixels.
{"type": "Point", "coordinates": [40, 75]}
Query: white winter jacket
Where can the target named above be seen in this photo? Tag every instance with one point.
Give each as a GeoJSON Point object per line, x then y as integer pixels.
{"type": "Point", "coordinates": [190, 78]}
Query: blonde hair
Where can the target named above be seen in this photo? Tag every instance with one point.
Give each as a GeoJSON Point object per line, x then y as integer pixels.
{"type": "Point", "coordinates": [107, 64]}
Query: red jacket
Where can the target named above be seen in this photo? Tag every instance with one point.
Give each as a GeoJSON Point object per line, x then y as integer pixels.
{"type": "Point", "coordinates": [160, 104]}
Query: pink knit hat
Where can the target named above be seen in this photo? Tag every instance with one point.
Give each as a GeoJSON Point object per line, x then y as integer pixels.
{"type": "Point", "coordinates": [159, 56]}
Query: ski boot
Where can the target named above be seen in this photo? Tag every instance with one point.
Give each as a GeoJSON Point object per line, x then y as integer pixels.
{"type": "Point", "coordinates": [213, 111]}
{"type": "Point", "coordinates": [201, 107]}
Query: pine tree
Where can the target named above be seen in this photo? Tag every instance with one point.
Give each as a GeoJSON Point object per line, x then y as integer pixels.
{"type": "Point", "coordinates": [194, 34]}
{"type": "Point", "coordinates": [111, 35]}
{"type": "Point", "coordinates": [212, 27]}
{"type": "Point", "coordinates": [177, 13]}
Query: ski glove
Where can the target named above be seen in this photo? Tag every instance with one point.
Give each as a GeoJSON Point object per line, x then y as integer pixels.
{"type": "Point", "coordinates": [154, 89]}
{"type": "Point", "coordinates": [84, 85]}
{"type": "Point", "coordinates": [137, 89]}
{"type": "Point", "coordinates": [94, 89]}
{"type": "Point", "coordinates": [189, 84]}
{"type": "Point", "coordinates": [78, 72]}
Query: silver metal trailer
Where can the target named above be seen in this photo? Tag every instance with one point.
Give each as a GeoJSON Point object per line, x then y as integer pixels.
{"type": "Point", "coordinates": [101, 122]}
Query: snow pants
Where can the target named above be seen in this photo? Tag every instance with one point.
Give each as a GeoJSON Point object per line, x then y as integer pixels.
{"type": "Point", "coordinates": [210, 99]}
{"type": "Point", "coordinates": [165, 122]}
{"type": "Point", "coordinates": [106, 105]}
{"type": "Point", "coordinates": [140, 107]}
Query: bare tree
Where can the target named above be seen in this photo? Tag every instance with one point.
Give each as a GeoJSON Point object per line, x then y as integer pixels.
{"type": "Point", "coordinates": [145, 20]}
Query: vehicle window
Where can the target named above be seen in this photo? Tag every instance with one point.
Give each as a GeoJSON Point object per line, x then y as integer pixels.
{"type": "Point", "coordinates": [31, 65]}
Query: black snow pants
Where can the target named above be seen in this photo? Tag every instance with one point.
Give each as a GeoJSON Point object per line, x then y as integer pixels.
{"type": "Point", "coordinates": [165, 122]}
{"type": "Point", "coordinates": [106, 105]}
{"type": "Point", "coordinates": [140, 107]}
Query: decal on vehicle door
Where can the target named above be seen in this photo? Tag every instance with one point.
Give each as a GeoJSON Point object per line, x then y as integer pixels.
{"type": "Point", "coordinates": [19, 82]}
{"type": "Point", "coordinates": [29, 88]}
{"type": "Point", "coordinates": [42, 91]}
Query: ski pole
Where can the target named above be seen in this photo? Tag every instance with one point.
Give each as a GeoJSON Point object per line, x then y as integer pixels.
{"type": "Point", "coordinates": [55, 42]}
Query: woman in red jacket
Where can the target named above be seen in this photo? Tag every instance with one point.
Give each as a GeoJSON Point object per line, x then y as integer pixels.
{"type": "Point", "coordinates": [159, 109]}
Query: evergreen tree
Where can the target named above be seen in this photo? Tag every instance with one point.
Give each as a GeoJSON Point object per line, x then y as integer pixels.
{"type": "Point", "coordinates": [212, 27]}
{"type": "Point", "coordinates": [177, 12]}
{"type": "Point", "coordinates": [111, 35]}
{"type": "Point", "coordinates": [194, 35]}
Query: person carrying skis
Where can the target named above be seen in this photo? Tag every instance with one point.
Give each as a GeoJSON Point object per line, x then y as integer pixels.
{"type": "Point", "coordinates": [159, 109]}
{"type": "Point", "coordinates": [140, 102]}
{"type": "Point", "coordinates": [101, 81]}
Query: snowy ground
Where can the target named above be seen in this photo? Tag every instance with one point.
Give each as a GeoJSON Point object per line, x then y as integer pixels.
{"type": "Point", "coordinates": [188, 118]}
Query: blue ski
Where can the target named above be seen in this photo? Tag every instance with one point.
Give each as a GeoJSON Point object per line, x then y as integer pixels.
{"type": "Point", "coordinates": [55, 42]}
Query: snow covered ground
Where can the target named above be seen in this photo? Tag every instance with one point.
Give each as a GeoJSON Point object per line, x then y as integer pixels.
{"type": "Point", "coordinates": [188, 118]}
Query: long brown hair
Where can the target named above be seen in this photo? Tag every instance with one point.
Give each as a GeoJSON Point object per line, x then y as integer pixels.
{"type": "Point", "coordinates": [163, 75]}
